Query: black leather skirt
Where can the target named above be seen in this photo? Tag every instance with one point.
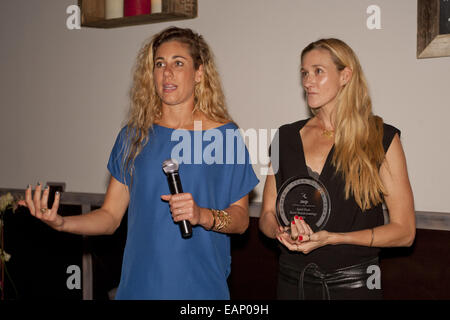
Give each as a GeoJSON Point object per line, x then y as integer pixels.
{"type": "Point", "coordinates": [313, 283]}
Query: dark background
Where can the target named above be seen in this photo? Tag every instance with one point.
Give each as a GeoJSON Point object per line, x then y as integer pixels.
{"type": "Point", "coordinates": [40, 257]}
{"type": "Point", "coordinates": [444, 23]}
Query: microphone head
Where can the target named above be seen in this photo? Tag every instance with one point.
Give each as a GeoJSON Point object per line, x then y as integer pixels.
{"type": "Point", "coordinates": [170, 166]}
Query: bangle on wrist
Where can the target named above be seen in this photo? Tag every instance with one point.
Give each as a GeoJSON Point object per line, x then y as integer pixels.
{"type": "Point", "coordinates": [214, 219]}
{"type": "Point", "coordinates": [221, 220]}
{"type": "Point", "coordinates": [371, 240]}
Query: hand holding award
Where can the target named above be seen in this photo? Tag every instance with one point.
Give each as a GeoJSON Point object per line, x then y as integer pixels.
{"type": "Point", "coordinates": [303, 197]}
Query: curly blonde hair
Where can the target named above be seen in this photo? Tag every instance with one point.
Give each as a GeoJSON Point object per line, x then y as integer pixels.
{"type": "Point", "coordinates": [359, 150]}
{"type": "Point", "coordinates": [146, 105]}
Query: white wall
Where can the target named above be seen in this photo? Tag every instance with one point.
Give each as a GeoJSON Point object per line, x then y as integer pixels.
{"type": "Point", "coordinates": [64, 92]}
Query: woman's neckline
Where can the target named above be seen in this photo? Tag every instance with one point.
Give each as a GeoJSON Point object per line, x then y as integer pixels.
{"type": "Point", "coordinates": [172, 129]}
{"type": "Point", "coordinates": [320, 174]}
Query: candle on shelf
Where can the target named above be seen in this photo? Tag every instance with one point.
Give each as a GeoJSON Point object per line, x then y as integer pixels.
{"type": "Point", "coordinates": [113, 9]}
{"type": "Point", "coordinates": [136, 7]}
{"type": "Point", "coordinates": [156, 6]}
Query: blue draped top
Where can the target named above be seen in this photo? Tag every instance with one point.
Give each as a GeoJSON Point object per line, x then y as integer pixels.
{"type": "Point", "coordinates": [158, 263]}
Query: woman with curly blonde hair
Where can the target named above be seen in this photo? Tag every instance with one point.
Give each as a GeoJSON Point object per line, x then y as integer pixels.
{"type": "Point", "coordinates": [360, 162]}
{"type": "Point", "coordinates": [176, 95]}
{"type": "Point", "coordinates": [146, 104]}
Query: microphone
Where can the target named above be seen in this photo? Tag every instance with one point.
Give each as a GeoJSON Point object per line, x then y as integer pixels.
{"type": "Point", "coordinates": [170, 168]}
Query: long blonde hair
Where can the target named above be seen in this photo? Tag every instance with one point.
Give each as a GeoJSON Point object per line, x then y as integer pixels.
{"type": "Point", "coordinates": [359, 150]}
{"type": "Point", "coordinates": [146, 106]}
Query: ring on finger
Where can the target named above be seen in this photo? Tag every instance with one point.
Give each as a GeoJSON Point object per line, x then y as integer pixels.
{"type": "Point", "coordinates": [44, 210]}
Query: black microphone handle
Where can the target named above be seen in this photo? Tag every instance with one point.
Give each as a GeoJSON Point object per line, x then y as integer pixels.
{"type": "Point", "coordinates": [185, 228]}
{"type": "Point", "coordinates": [175, 187]}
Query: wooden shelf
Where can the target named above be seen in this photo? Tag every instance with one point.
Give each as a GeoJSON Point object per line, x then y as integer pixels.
{"type": "Point", "coordinates": [433, 28]}
{"type": "Point", "coordinates": [93, 14]}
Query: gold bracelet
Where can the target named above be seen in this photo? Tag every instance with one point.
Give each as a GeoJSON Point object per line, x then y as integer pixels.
{"type": "Point", "coordinates": [221, 219]}
{"type": "Point", "coordinates": [214, 219]}
{"type": "Point", "coordinates": [371, 241]}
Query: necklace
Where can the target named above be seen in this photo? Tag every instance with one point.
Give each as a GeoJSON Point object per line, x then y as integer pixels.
{"type": "Point", "coordinates": [328, 133]}
{"type": "Point", "coordinates": [325, 132]}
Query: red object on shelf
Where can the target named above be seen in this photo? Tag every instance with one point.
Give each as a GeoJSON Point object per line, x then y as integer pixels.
{"type": "Point", "coordinates": [136, 7]}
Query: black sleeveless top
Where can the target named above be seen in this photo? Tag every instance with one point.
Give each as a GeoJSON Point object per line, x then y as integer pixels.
{"type": "Point", "coordinates": [345, 216]}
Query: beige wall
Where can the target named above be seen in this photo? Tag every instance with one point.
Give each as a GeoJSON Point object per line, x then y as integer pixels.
{"type": "Point", "coordinates": [64, 93]}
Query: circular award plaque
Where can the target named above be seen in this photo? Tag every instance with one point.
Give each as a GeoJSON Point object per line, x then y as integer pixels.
{"type": "Point", "coordinates": [305, 197]}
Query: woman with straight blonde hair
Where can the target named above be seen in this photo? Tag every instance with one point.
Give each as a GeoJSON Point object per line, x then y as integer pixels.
{"type": "Point", "coordinates": [176, 95]}
{"type": "Point", "coordinates": [360, 163]}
